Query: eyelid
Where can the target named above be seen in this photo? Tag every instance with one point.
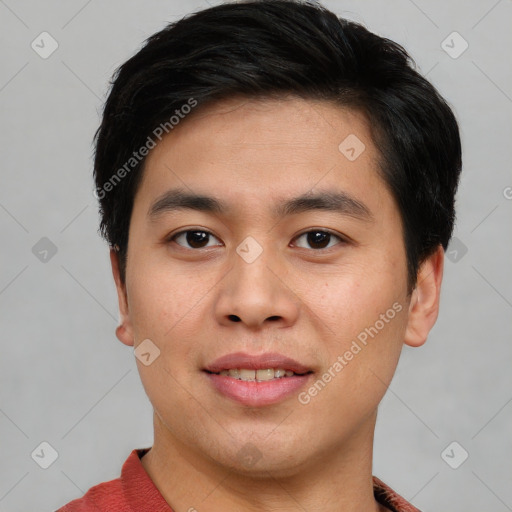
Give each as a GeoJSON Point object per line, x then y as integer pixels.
{"type": "Point", "coordinates": [187, 229]}
{"type": "Point", "coordinates": [170, 238]}
{"type": "Point", "coordinates": [342, 238]}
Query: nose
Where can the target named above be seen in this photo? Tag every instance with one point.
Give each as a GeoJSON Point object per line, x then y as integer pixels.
{"type": "Point", "coordinates": [255, 293]}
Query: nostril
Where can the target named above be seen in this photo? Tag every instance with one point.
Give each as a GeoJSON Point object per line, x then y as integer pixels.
{"type": "Point", "coordinates": [234, 318]}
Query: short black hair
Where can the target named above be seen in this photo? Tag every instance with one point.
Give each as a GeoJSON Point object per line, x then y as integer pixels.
{"type": "Point", "coordinates": [272, 48]}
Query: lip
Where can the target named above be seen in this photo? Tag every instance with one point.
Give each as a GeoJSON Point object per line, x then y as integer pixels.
{"type": "Point", "coordinates": [256, 362]}
{"type": "Point", "coordinates": [257, 394]}
{"type": "Point", "coordinates": [254, 393]}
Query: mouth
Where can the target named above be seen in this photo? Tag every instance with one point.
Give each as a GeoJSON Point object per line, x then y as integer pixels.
{"type": "Point", "coordinates": [260, 375]}
{"type": "Point", "coordinates": [257, 380]}
{"type": "Point", "coordinates": [244, 363]}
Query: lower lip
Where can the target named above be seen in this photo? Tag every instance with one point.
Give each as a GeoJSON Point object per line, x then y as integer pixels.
{"type": "Point", "coordinates": [255, 394]}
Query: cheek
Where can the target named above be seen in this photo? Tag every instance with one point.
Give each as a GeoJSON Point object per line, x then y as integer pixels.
{"type": "Point", "coordinates": [361, 362]}
{"type": "Point", "coordinates": [165, 303]}
{"type": "Point", "coordinates": [363, 316]}
{"type": "Point", "coordinates": [349, 301]}
{"type": "Point", "coordinates": [164, 308]}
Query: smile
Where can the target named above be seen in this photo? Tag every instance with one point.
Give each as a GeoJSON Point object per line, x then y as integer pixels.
{"type": "Point", "coordinates": [261, 375]}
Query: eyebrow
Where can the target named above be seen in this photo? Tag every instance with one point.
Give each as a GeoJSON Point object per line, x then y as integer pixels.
{"type": "Point", "coordinates": [339, 202]}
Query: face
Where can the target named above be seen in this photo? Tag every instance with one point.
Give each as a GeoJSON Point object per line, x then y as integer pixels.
{"type": "Point", "coordinates": [291, 260]}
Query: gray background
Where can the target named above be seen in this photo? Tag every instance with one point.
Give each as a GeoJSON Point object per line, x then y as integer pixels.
{"type": "Point", "coordinates": [66, 380]}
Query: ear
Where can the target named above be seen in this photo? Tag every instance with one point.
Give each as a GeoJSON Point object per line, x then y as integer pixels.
{"type": "Point", "coordinates": [124, 331]}
{"type": "Point", "coordinates": [424, 305]}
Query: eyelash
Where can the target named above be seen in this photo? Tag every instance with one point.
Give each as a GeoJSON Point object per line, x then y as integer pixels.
{"type": "Point", "coordinates": [341, 239]}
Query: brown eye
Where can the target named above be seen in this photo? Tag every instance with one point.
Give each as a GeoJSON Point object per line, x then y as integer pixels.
{"type": "Point", "coordinates": [318, 239]}
{"type": "Point", "coordinates": [193, 239]}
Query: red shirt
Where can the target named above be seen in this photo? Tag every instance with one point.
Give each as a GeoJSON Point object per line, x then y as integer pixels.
{"type": "Point", "coordinates": [134, 491]}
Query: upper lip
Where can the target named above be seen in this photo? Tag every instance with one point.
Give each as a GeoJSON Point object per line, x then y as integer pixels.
{"type": "Point", "coordinates": [256, 362]}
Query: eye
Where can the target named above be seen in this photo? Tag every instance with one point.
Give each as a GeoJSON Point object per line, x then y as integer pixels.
{"type": "Point", "coordinates": [195, 238]}
{"type": "Point", "coordinates": [318, 239]}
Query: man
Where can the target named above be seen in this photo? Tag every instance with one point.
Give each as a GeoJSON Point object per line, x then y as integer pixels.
{"type": "Point", "coordinates": [277, 187]}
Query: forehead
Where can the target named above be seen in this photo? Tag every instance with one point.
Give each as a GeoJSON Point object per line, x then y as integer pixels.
{"type": "Point", "coordinates": [253, 150]}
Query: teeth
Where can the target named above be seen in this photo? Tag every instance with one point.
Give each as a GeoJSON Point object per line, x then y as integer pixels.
{"type": "Point", "coordinates": [265, 374]}
{"type": "Point", "coordinates": [247, 374]}
{"type": "Point", "coordinates": [257, 375]}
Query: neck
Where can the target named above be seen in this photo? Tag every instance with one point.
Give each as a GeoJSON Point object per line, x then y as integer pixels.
{"type": "Point", "coordinates": [338, 480]}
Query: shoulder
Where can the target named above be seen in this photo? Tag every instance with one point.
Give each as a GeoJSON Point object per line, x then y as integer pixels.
{"type": "Point", "coordinates": [115, 495]}
{"type": "Point", "coordinates": [101, 497]}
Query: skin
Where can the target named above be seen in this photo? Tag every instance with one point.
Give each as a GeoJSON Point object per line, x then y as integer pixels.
{"type": "Point", "coordinates": [296, 299]}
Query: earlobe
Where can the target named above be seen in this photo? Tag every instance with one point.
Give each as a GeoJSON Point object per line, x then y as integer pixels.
{"type": "Point", "coordinates": [124, 331]}
{"type": "Point", "coordinates": [424, 305]}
